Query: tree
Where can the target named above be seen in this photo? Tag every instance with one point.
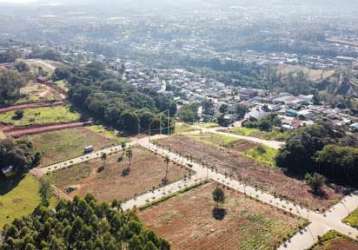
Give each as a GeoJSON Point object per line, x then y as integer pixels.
{"type": "Point", "coordinates": [224, 108]}
{"type": "Point", "coordinates": [316, 182]}
{"type": "Point", "coordinates": [189, 113]}
{"type": "Point", "coordinates": [218, 196]}
{"type": "Point", "coordinates": [167, 161]}
{"type": "Point", "coordinates": [104, 158]}
{"type": "Point", "coordinates": [45, 192]}
{"type": "Point", "coordinates": [241, 111]}
{"type": "Point", "coordinates": [130, 122]}
{"type": "Point", "coordinates": [79, 224]}
{"type": "Point", "coordinates": [19, 114]}
{"type": "Point", "coordinates": [10, 84]}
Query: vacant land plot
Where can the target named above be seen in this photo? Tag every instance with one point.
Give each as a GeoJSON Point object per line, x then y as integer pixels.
{"type": "Point", "coordinates": [352, 219]}
{"type": "Point", "coordinates": [334, 241]}
{"type": "Point", "coordinates": [39, 116]}
{"type": "Point", "coordinates": [36, 92]}
{"type": "Point", "coordinates": [2, 135]}
{"type": "Point", "coordinates": [67, 144]}
{"type": "Point", "coordinates": [230, 160]}
{"type": "Point", "coordinates": [187, 222]}
{"type": "Point", "coordinates": [273, 135]}
{"type": "Point", "coordinates": [146, 171]}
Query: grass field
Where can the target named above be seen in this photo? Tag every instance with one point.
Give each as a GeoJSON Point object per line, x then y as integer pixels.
{"type": "Point", "coordinates": [40, 116]}
{"type": "Point", "coordinates": [147, 171]}
{"type": "Point", "coordinates": [262, 154]}
{"type": "Point", "coordinates": [273, 135]}
{"type": "Point", "coordinates": [20, 201]}
{"type": "Point", "coordinates": [109, 134]}
{"type": "Point", "coordinates": [187, 222]}
{"type": "Point", "coordinates": [335, 241]}
{"type": "Point", "coordinates": [67, 144]}
{"type": "Point", "coordinates": [352, 219]}
{"type": "Point", "coordinates": [181, 127]}
{"type": "Point", "coordinates": [62, 84]}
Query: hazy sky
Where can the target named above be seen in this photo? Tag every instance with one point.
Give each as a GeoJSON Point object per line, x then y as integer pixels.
{"type": "Point", "coordinates": [17, 1]}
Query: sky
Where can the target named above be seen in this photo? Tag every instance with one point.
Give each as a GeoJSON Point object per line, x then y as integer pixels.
{"type": "Point", "coordinates": [17, 1]}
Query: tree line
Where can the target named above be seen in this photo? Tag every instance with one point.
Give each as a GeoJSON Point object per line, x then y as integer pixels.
{"type": "Point", "coordinates": [80, 224]}
{"type": "Point", "coordinates": [322, 149]}
{"type": "Point", "coordinates": [106, 97]}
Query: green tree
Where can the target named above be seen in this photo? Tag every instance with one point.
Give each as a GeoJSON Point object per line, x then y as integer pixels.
{"type": "Point", "coordinates": [218, 196]}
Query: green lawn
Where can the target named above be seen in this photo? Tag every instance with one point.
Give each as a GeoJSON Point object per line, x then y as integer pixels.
{"type": "Point", "coordinates": [20, 201]}
{"type": "Point", "coordinates": [352, 219]}
{"type": "Point", "coordinates": [181, 127]}
{"type": "Point", "coordinates": [41, 116]}
{"type": "Point", "coordinates": [273, 135]}
{"type": "Point", "coordinates": [67, 144]}
{"type": "Point", "coordinates": [263, 154]}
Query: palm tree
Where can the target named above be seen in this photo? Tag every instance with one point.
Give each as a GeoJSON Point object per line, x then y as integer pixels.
{"type": "Point", "coordinates": [104, 158]}
{"type": "Point", "coordinates": [167, 161]}
{"type": "Point", "coordinates": [129, 154]}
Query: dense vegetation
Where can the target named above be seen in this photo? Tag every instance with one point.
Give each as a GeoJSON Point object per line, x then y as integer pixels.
{"type": "Point", "coordinates": [106, 97]}
{"type": "Point", "coordinates": [10, 83]}
{"type": "Point", "coordinates": [322, 149]}
{"type": "Point", "coordinates": [189, 113]}
{"type": "Point", "coordinates": [18, 154]}
{"type": "Point", "coordinates": [265, 124]}
{"type": "Point", "coordinates": [80, 224]}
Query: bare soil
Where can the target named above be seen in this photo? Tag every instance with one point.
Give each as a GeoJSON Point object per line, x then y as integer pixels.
{"type": "Point", "coordinates": [146, 172]}
{"type": "Point", "coordinates": [187, 222]}
{"type": "Point", "coordinates": [229, 160]}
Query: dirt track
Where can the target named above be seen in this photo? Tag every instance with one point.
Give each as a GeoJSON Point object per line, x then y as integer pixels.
{"type": "Point", "coordinates": [31, 105]}
{"type": "Point", "coordinates": [42, 129]}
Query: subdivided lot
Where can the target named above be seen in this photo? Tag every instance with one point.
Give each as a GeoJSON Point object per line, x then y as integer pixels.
{"type": "Point", "coordinates": [352, 219]}
{"type": "Point", "coordinates": [273, 135]}
{"type": "Point", "coordinates": [67, 144]}
{"type": "Point", "coordinates": [39, 116]}
{"type": "Point", "coordinates": [187, 222]}
{"type": "Point", "coordinates": [231, 160]}
{"type": "Point", "coordinates": [335, 241]}
{"type": "Point", "coordinates": [18, 199]}
{"type": "Point", "coordinates": [105, 179]}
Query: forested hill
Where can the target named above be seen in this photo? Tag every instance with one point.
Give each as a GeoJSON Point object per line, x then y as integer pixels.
{"type": "Point", "coordinates": [107, 98]}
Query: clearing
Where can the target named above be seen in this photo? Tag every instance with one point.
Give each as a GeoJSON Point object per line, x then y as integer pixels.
{"type": "Point", "coordinates": [107, 184]}
{"type": "Point", "coordinates": [66, 144]}
{"type": "Point", "coordinates": [311, 74]}
{"type": "Point", "coordinates": [352, 219]}
{"type": "Point", "coordinates": [187, 222]}
{"type": "Point", "coordinates": [37, 92]}
{"type": "Point", "coordinates": [335, 241]}
{"type": "Point", "coordinates": [20, 200]}
{"type": "Point", "coordinates": [231, 159]}
{"type": "Point", "coordinates": [253, 132]}
{"type": "Point", "coordinates": [41, 116]}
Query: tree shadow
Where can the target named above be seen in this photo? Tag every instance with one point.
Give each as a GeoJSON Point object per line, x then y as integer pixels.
{"type": "Point", "coordinates": [8, 184]}
{"type": "Point", "coordinates": [219, 213]}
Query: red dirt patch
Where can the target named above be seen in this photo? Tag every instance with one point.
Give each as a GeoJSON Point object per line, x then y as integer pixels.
{"type": "Point", "coordinates": [186, 221]}
{"type": "Point", "coordinates": [232, 162]}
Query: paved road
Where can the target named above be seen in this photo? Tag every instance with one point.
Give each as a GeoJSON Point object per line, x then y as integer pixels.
{"type": "Point", "coordinates": [320, 223]}
{"type": "Point", "coordinates": [162, 192]}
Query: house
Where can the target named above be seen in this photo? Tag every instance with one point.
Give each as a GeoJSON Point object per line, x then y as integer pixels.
{"type": "Point", "coordinates": [354, 127]}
